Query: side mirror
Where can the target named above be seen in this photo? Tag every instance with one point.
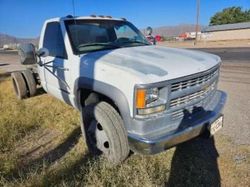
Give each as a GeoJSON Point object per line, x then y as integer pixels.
{"type": "Point", "coordinates": [27, 53]}
{"type": "Point", "coordinates": [43, 52]}
{"type": "Point", "coordinates": [149, 31]}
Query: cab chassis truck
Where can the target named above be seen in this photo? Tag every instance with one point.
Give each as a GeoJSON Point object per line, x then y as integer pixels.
{"type": "Point", "coordinates": [132, 95]}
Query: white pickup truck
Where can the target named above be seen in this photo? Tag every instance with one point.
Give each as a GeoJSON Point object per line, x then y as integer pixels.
{"type": "Point", "coordinates": [131, 95]}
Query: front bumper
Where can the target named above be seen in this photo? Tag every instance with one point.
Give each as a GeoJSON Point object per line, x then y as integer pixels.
{"type": "Point", "coordinates": [194, 128]}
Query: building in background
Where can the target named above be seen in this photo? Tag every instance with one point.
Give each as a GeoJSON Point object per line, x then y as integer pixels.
{"type": "Point", "coordinates": [236, 31]}
{"type": "Point", "coordinates": [188, 36]}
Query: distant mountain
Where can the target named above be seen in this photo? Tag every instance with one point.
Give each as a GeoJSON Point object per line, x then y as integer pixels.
{"type": "Point", "coordinates": [166, 31]}
{"type": "Point", "coordinates": [7, 39]}
{"type": "Point", "coordinates": [170, 31]}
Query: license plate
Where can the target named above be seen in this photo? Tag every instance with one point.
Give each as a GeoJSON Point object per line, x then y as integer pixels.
{"type": "Point", "coordinates": [216, 125]}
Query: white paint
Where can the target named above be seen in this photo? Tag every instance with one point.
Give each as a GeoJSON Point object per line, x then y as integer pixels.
{"type": "Point", "coordinates": [120, 68]}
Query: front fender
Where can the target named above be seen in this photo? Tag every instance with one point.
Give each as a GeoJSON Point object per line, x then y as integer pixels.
{"type": "Point", "coordinates": [115, 94]}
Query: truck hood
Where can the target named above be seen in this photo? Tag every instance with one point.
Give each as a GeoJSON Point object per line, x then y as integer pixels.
{"type": "Point", "coordinates": [154, 63]}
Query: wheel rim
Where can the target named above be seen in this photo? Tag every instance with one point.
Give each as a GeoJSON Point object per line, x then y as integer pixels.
{"type": "Point", "coordinates": [98, 137]}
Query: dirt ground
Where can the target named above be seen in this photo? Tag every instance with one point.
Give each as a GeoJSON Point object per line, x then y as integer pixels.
{"type": "Point", "coordinates": [222, 160]}
{"type": "Point", "coordinates": [9, 61]}
{"type": "Point", "coordinates": [235, 80]}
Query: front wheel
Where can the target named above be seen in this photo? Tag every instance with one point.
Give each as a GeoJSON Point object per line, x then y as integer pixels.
{"type": "Point", "coordinates": [105, 132]}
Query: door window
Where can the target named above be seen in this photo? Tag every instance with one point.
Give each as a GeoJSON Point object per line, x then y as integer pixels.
{"type": "Point", "coordinates": [53, 40]}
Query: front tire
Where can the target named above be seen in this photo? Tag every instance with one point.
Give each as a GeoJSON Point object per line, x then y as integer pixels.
{"type": "Point", "coordinates": [105, 132]}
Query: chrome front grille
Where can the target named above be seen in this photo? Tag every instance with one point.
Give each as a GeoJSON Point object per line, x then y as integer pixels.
{"type": "Point", "coordinates": [191, 97]}
{"type": "Point", "coordinates": [177, 86]}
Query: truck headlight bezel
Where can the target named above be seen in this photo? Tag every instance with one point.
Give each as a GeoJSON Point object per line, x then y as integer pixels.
{"type": "Point", "coordinates": [150, 100]}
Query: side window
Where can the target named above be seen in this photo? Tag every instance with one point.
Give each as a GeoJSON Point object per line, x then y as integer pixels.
{"type": "Point", "coordinates": [53, 40]}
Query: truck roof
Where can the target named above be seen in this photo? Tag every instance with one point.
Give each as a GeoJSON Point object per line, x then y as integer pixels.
{"type": "Point", "coordinates": [91, 17]}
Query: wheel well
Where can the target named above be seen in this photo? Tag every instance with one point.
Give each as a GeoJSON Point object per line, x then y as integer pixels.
{"type": "Point", "coordinates": [88, 97]}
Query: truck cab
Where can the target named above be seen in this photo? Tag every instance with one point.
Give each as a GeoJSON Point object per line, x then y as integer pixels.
{"type": "Point", "coordinates": [131, 95]}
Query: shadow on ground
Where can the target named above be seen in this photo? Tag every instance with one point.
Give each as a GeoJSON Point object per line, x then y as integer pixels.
{"type": "Point", "coordinates": [71, 173]}
{"type": "Point", "coordinates": [48, 158]}
{"type": "Point", "coordinates": [40, 91]}
{"type": "Point", "coordinates": [194, 163]}
{"type": "Point", "coordinates": [59, 151]}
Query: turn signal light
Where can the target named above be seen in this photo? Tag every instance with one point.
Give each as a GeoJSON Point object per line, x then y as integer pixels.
{"type": "Point", "coordinates": [141, 98]}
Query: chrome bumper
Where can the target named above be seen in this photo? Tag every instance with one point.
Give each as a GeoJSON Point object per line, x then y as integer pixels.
{"type": "Point", "coordinates": [199, 126]}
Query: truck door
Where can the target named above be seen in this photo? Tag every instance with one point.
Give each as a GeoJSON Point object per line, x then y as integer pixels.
{"type": "Point", "coordinates": [56, 65]}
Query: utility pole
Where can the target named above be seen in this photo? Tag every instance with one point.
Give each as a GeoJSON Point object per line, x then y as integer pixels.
{"type": "Point", "coordinates": [197, 20]}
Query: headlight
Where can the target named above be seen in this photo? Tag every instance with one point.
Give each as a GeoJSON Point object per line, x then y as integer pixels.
{"type": "Point", "coordinates": [148, 101]}
{"type": "Point", "coordinates": [152, 94]}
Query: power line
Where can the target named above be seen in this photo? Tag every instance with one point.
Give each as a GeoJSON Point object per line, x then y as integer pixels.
{"type": "Point", "coordinates": [197, 20]}
{"type": "Point", "coordinates": [73, 5]}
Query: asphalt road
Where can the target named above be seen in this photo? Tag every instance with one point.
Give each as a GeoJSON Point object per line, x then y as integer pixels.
{"type": "Point", "coordinates": [234, 80]}
{"type": "Point", "coordinates": [235, 55]}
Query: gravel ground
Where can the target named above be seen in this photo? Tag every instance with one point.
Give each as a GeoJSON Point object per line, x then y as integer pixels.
{"type": "Point", "coordinates": [235, 80]}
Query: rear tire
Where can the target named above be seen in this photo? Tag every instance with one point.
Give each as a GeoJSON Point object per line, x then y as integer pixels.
{"type": "Point", "coordinates": [30, 81]}
{"type": "Point", "coordinates": [19, 85]}
{"type": "Point", "coordinates": [105, 132]}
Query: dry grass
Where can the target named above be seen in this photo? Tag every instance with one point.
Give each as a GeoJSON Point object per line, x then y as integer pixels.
{"type": "Point", "coordinates": [40, 145]}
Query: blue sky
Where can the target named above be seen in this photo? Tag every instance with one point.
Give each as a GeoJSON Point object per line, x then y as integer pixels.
{"type": "Point", "coordinates": [24, 18]}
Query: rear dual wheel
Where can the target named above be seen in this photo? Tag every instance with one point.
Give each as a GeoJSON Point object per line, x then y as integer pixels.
{"type": "Point", "coordinates": [105, 132]}
{"type": "Point", "coordinates": [19, 85]}
{"type": "Point", "coordinates": [30, 82]}
{"type": "Point", "coordinates": [24, 84]}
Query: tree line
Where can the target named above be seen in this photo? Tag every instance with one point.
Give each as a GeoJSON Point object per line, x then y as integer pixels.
{"type": "Point", "coordinates": [230, 15]}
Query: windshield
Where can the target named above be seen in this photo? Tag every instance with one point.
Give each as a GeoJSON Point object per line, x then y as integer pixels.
{"type": "Point", "coordinates": [93, 35]}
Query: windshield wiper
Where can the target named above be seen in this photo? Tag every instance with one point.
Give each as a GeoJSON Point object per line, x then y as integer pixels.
{"type": "Point", "coordinates": [98, 44]}
{"type": "Point", "coordinates": [135, 41]}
